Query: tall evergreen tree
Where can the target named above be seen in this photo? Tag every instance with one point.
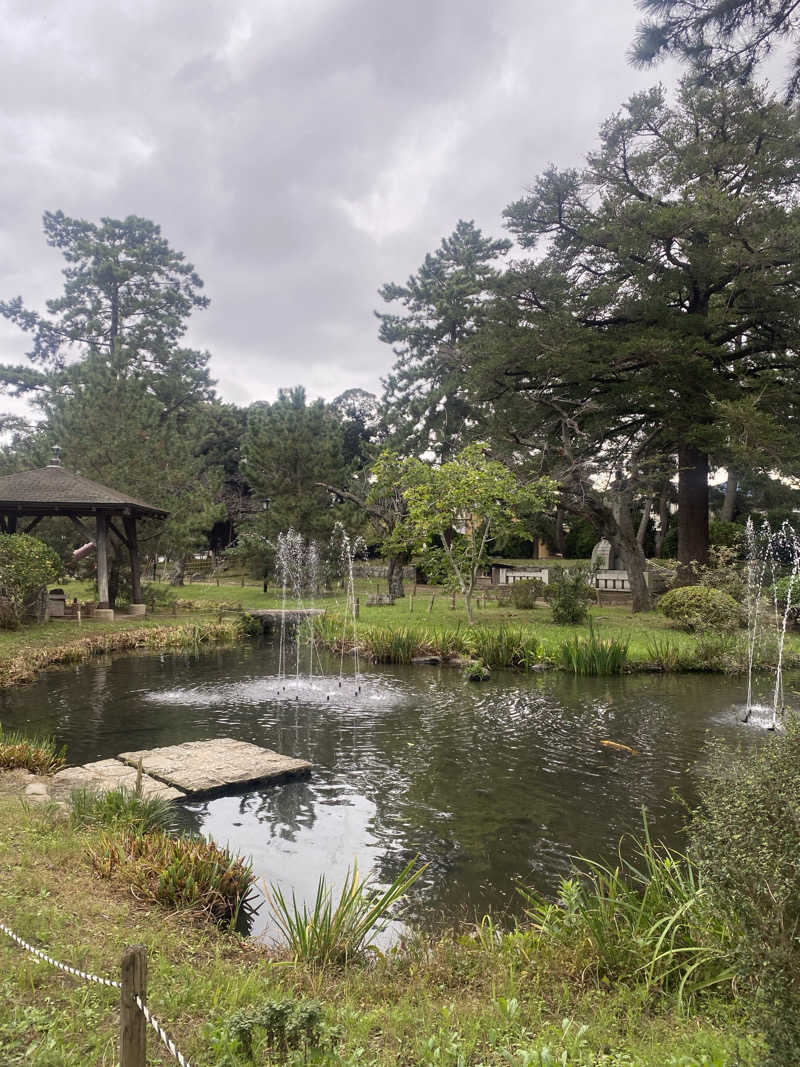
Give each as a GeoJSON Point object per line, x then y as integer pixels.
{"type": "Point", "coordinates": [443, 304]}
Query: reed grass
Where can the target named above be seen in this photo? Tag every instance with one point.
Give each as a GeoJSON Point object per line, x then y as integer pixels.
{"type": "Point", "coordinates": [40, 755]}
{"type": "Point", "coordinates": [593, 655]}
{"type": "Point", "coordinates": [336, 932]}
{"type": "Point", "coordinates": [647, 919]}
{"type": "Point", "coordinates": [121, 809]}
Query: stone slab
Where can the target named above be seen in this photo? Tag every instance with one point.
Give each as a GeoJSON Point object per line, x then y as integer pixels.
{"type": "Point", "coordinates": [215, 766]}
{"type": "Point", "coordinates": [108, 774]}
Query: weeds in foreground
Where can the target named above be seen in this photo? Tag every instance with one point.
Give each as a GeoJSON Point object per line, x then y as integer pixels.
{"type": "Point", "coordinates": [179, 872]}
{"type": "Point", "coordinates": [648, 919]}
{"type": "Point", "coordinates": [40, 755]}
{"type": "Point", "coordinates": [336, 932]}
{"type": "Point", "coordinates": [121, 809]}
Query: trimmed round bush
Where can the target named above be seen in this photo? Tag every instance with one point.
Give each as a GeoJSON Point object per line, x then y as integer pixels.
{"type": "Point", "coordinates": [27, 566]}
{"type": "Point", "coordinates": [697, 607]}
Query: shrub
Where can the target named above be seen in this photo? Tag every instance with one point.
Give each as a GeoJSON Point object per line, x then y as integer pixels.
{"type": "Point", "coordinates": [477, 671]}
{"type": "Point", "coordinates": [27, 566]}
{"type": "Point", "coordinates": [745, 836]}
{"type": "Point", "coordinates": [696, 607]}
{"type": "Point", "coordinates": [569, 594]}
{"type": "Point", "coordinates": [525, 594]}
{"type": "Point", "coordinates": [40, 755]}
{"type": "Point", "coordinates": [287, 1025]}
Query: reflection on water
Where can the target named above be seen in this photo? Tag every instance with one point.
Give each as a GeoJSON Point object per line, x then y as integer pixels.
{"type": "Point", "coordinates": [489, 784]}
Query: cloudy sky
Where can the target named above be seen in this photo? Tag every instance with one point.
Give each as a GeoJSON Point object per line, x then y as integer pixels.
{"type": "Point", "coordinates": [299, 152]}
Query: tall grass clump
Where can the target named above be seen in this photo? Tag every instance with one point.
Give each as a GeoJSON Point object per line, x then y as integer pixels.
{"type": "Point", "coordinates": [386, 644]}
{"type": "Point", "coordinates": [648, 920]}
{"type": "Point", "coordinates": [40, 755]}
{"type": "Point", "coordinates": [337, 931]}
{"type": "Point", "coordinates": [503, 646]}
{"type": "Point", "coordinates": [121, 809]}
{"type": "Point", "coordinates": [179, 872]}
{"type": "Point", "coordinates": [664, 654]}
{"type": "Point", "coordinates": [593, 654]}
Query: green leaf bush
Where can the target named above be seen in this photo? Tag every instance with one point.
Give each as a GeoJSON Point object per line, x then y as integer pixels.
{"type": "Point", "coordinates": [569, 594]}
{"type": "Point", "coordinates": [745, 837]}
{"type": "Point", "coordinates": [27, 565]}
{"type": "Point", "coordinates": [524, 594]}
{"type": "Point", "coordinates": [697, 608]}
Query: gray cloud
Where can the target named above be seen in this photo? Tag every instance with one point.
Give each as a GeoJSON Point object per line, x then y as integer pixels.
{"type": "Point", "coordinates": [300, 152]}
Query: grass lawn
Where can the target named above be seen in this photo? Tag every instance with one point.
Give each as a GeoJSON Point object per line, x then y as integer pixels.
{"type": "Point", "coordinates": [457, 1000]}
{"type": "Point", "coordinates": [608, 621]}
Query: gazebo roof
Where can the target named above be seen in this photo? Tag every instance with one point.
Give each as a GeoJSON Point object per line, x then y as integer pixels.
{"type": "Point", "coordinates": [53, 490]}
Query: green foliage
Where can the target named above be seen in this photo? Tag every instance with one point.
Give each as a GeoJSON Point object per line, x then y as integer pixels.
{"type": "Point", "coordinates": [40, 755]}
{"type": "Point", "coordinates": [286, 1025]}
{"type": "Point", "coordinates": [338, 932]}
{"type": "Point", "coordinates": [503, 646]}
{"type": "Point", "coordinates": [466, 502]}
{"type": "Point", "coordinates": [388, 644]}
{"type": "Point", "coordinates": [27, 566]}
{"type": "Point", "coordinates": [524, 594]}
{"type": "Point", "coordinates": [593, 655]}
{"type": "Point", "coordinates": [726, 534]}
{"type": "Point", "coordinates": [569, 594]}
{"type": "Point", "coordinates": [699, 608]}
{"type": "Point", "coordinates": [179, 872]}
{"type": "Point", "coordinates": [647, 920]}
{"type": "Point", "coordinates": [745, 836]}
{"type": "Point", "coordinates": [121, 809]}
{"type": "Point", "coordinates": [664, 653]}
{"type": "Point", "coordinates": [477, 671]}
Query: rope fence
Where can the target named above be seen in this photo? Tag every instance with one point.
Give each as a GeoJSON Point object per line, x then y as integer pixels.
{"type": "Point", "coordinates": [135, 1016]}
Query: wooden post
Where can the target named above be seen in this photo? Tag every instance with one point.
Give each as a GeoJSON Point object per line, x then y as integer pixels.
{"type": "Point", "coordinates": [132, 1024]}
{"type": "Point", "coordinates": [133, 552]}
{"type": "Point", "coordinates": [357, 610]}
{"type": "Point", "coordinates": [453, 602]}
{"type": "Point", "coordinates": [411, 604]}
{"type": "Point", "coordinates": [242, 581]}
{"type": "Point", "coordinates": [430, 606]}
{"type": "Point", "coordinates": [101, 541]}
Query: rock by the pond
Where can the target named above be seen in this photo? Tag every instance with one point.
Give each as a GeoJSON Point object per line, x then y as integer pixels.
{"type": "Point", "coordinates": [37, 791]}
{"type": "Point", "coordinates": [107, 774]}
{"type": "Point", "coordinates": [216, 765]}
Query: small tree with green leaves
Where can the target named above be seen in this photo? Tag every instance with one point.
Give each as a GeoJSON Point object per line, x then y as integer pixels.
{"type": "Point", "coordinates": [466, 503]}
{"type": "Point", "coordinates": [27, 565]}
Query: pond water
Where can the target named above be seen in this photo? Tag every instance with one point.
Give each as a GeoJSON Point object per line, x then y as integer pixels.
{"type": "Point", "coordinates": [490, 784]}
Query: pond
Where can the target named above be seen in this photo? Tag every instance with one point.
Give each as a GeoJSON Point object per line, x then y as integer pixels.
{"type": "Point", "coordinates": [490, 784]}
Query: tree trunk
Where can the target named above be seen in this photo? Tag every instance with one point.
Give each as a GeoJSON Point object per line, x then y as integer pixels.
{"type": "Point", "coordinates": [664, 516]}
{"type": "Point", "coordinates": [641, 533]}
{"type": "Point", "coordinates": [468, 602]}
{"type": "Point", "coordinates": [395, 576]}
{"type": "Point", "coordinates": [560, 536]}
{"type": "Point", "coordinates": [729, 504]}
{"type": "Point", "coordinates": [692, 512]}
{"type": "Point", "coordinates": [176, 578]}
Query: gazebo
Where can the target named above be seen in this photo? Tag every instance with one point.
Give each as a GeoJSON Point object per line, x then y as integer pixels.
{"type": "Point", "coordinates": [54, 491]}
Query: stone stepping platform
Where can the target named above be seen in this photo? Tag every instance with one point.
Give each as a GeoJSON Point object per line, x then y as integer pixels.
{"type": "Point", "coordinates": [217, 766]}
{"type": "Point", "coordinates": [106, 775]}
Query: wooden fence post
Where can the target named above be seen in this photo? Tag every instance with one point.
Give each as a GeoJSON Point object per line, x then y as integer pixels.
{"type": "Point", "coordinates": [411, 604]}
{"type": "Point", "coordinates": [357, 610]}
{"type": "Point", "coordinates": [132, 1023]}
{"type": "Point", "coordinates": [430, 606]}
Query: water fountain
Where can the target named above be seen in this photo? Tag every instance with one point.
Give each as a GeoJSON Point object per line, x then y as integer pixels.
{"type": "Point", "coordinates": [299, 566]}
{"type": "Point", "coordinates": [773, 561]}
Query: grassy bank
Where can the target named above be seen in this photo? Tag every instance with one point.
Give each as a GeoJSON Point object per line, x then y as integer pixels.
{"type": "Point", "coordinates": [25, 652]}
{"type": "Point", "coordinates": [463, 999]}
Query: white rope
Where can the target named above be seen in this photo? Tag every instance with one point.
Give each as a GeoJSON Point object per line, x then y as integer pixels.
{"type": "Point", "coordinates": [162, 1033]}
{"type": "Point", "coordinates": [55, 963]}
{"type": "Point", "coordinates": [151, 1019]}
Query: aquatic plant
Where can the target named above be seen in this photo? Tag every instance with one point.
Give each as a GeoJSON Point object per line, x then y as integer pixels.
{"type": "Point", "coordinates": [502, 646]}
{"type": "Point", "coordinates": [387, 644]}
{"type": "Point", "coordinates": [664, 654]}
{"type": "Point", "coordinates": [593, 655]}
{"type": "Point", "coordinates": [339, 931]}
{"type": "Point", "coordinates": [647, 919]}
{"type": "Point", "coordinates": [40, 755]}
{"type": "Point", "coordinates": [179, 872]}
{"type": "Point", "coordinates": [477, 671]}
{"type": "Point", "coordinates": [121, 809]}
